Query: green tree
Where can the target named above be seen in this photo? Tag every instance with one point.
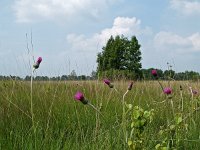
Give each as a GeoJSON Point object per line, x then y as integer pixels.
{"type": "Point", "coordinates": [122, 56]}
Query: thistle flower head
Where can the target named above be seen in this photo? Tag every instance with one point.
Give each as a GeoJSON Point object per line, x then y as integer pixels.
{"type": "Point", "coordinates": [130, 85]}
{"type": "Point", "coordinates": [106, 81]}
{"type": "Point", "coordinates": [167, 90]}
{"type": "Point", "coordinates": [194, 92]}
{"type": "Point", "coordinates": [154, 72]}
{"type": "Point", "coordinates": [80, 97]}
{"type": "Point", "coordinates": [37, 63]}
{"type": "Point", "coordinates": [39, 60]}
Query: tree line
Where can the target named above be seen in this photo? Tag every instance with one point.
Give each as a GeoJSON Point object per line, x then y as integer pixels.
{"type": "Point", "coordinates": [145, 75]}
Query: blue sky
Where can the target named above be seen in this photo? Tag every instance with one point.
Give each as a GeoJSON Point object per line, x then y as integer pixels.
{"type": "Point", "coordinates": [68, 34]}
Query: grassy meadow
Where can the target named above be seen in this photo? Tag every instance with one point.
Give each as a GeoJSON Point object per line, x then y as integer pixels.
{"type": "Point", "coordinates": [54, 120]}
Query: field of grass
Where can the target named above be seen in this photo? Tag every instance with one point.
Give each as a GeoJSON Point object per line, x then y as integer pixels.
{"type": "Point", "coordinates": [57, 121]}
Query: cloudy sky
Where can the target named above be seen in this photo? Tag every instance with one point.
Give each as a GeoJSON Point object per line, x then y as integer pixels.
{"type": "Point", "coordinates": [68, 34]}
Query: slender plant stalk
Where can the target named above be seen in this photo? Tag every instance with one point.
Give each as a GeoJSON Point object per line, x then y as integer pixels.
{"type": "Point", "coordinates": [182, 106]}
{"type": "Point", "coordinates": [19, 108]}
{"type": "Point", "coordinates": [32, 115]}
{"type": "Point", "coordinates": [95, 109]}
{"type": "Point", "coordinates": [116, 90]}
{"type": "Point", "coordinates": [172, 104]}
{"type": "Point", "coordinates": [124, 116]}
{"type": "Point", "coordinates": [160, 85]}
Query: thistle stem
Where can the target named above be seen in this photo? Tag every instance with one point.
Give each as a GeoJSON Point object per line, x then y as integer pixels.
{"type": "Point", "coordinates": [172, 107]}
{"type": "Point", "coordinates": [32, 115]}
{"type": "Point", "coordinates": [182, 108]}
{"type": "Point", "coordinates": [95, 109]}
{"type": "Point", "coordinates": [124, 116]}
{"type": "Point", "coordinates": [116, 90]}
{"type": "Point", "coordinates": [160, 85]}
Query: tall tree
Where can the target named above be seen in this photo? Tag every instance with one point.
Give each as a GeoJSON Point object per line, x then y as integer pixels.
{"type": "Point", "coordinates": [120, 55]}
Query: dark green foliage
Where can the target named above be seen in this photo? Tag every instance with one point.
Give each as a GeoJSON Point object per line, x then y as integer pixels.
{"type": "Point", "coordinates": [170, 74]}
{"type": "Point", "coordinates": [121, 55]}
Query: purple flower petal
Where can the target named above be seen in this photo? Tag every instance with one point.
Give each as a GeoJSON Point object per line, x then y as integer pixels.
{"type": "Point", "coordinates": [79, 96]}
{"type": "Point", "coordinates": [167, 90]}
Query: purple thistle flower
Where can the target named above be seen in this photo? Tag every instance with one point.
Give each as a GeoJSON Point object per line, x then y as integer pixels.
{"type": "Point", "coordinates": [194, 92]}
{"type": "Point", "coordinates": [37, 63]}
{"type": "Point", "coordinates": [154, 72]}
{"type": "Point", "coordinates": [106, 81]}
{"type": "Point", "coordinates": [80, 97]}
{"type": "Point", "coordinates": [130, 85]}
{"type": "Point", "coordinates": [39, 60]}
{"type": "Point", "coordinates": [167, 90]}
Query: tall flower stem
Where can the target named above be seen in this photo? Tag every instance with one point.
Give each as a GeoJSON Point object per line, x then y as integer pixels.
{"type": "Point", "coordinates": [32, 113]}
{"type": "Point", "coordinates": [172, 104]}
{"type": "Point", "coordinates": [160, 85]}
{"type": "Point", "coordinates": [95, 109]}
{"type": "Point", "coordinates": [124, 116]}
{"type": "Point", "coordinates": [182, 107]}
{"type": "Point", "coordinates": [116, 90]}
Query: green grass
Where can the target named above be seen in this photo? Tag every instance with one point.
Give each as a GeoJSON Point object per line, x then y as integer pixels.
{"type": "Point", "coordinates": [60, 122]}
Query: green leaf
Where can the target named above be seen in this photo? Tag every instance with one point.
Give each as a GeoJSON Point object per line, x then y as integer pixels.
{"type": "Point", "coordinates": [172, 127]}
{"type": "Point", "coordinates": [130, 142]}
{"type": "Point", "coordinates": [157, 146]}
{"type": "Point", "coordinates": [179, 120]}
{"type": "Point", "coordinates": [136, 114]}
{"type": "Point", "coordinates": [129, 106]}
{"type": "Point", "coordinates": [146, 114]}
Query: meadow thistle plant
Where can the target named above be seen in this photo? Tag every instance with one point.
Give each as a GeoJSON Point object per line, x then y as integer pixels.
{"type": "Point", "coordinates": [154, 73]}
{"type": "Point", "coordinates": [130, 86]}
{"type": "Point", "coordinates": [37, 63]}
{"type": "Point", "coordinates": [80, 97]}
{"type": "Point", "coordinates": [167, 90]}
{"type": "Point", "coordinates": [194, 92]}
{"type": "Point", "coordinates": [107, 82]}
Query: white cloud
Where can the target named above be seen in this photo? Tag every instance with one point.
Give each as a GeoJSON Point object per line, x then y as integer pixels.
{"type": "Point", "coordinates": [186, 7]}
{"type": "Point", "coordinates": [168, 40]}
{"type": "Point", "coordinates": [195, 39]}
{"type": "Point", "coordinates": [35, 10]}
{"type": "Point", "coordinates": [121, 26]}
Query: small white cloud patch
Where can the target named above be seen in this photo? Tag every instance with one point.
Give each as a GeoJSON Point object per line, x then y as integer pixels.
{"type": "Point", "coordinates": [38, 10]}
{"type": "Point", "coordinates": [168, 40]}
{"type": "Point", "coordinates": [186, 7]}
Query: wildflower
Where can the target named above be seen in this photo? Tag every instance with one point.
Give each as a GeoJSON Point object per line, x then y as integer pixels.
{"type": "Point", "coordinates": [167, 90]}
{"type": "Point", "coordinates": [154, 73]}
{"type": "Point", "coordinates": [37, 63]}
{"type": "Point", "coordinates": [80, 97]}
{"type": "Point", "coordinates": [130, 85]}
{"type": "Point", "coordinates": [106, 81]}
{"type": "Point", "coordinates": [194, 92]}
